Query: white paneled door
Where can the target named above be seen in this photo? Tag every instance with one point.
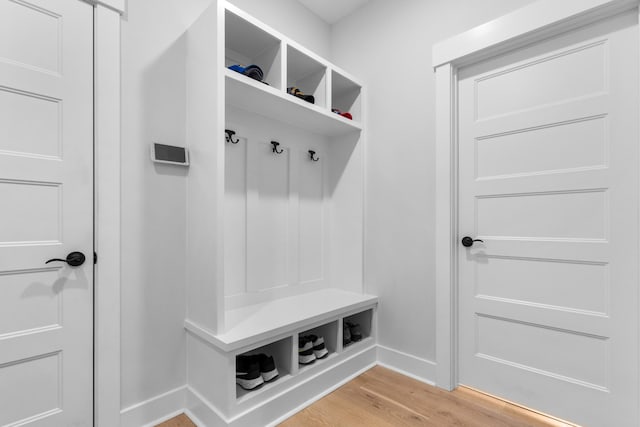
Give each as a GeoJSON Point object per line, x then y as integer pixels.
{"type": "Point", "coordinates": [548, 180]}
{"type": "Point", "coordinates": [46, 212]}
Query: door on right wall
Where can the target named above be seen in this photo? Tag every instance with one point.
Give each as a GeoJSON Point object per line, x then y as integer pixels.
{"type": "Point", "coordinates": [548, 161]}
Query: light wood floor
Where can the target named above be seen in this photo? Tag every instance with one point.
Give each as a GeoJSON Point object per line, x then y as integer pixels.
{"type": "Point", "coordinates": [383, 398]}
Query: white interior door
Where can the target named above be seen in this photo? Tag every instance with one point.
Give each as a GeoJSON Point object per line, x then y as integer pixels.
{"type": "Point", "coordinates": [46, 211]}
{"type": "Point", "coordinates": [548, 161]}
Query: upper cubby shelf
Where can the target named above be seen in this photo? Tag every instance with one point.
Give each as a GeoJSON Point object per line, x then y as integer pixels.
{"type": "Point", "coordinates": [345, 95]}
{"type": "Point", "coordinates": [246, 44]}
{"type": "Point", "coordinates": [328, 101]}
{"type": "Point", "coordinates": [251, 95]}
{"type": "Point", "coordinates": [308, 75]}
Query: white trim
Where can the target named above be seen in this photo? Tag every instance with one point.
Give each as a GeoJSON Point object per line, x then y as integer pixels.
{"type": "Point", "coordinates": [539, 19]}
{"type": "Point", "coordinates": [107, 217]}
{"type": "Point", "coordinates": [156, 410]}
{"type": "Point", "coordinates": [446, 231]}
{"type": "Point", "coordinates": [535, 22]}
{"type": "Point", "coordinates": [406, 364]}
{"type": "Point", "coordinates": [115, 5]}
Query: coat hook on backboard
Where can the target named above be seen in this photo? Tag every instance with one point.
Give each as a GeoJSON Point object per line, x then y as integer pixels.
{"type": "Point", "coordinates": [312, 156]}
{"type": "Point", "coordinates": [275, 147]}
{"type": "Point", "coordinates": [229, 136]}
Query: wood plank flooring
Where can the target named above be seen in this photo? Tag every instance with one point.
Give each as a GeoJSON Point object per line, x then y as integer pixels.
{"type": "Point", "coordinates": [383, 398]}
{"type": "Point", "coordinates": [179, 421]}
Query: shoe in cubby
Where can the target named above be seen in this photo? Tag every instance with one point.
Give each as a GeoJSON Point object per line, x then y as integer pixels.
{"type": "Point", "coordinates": [248, 374]}
{"type": "Point", "coordinates": [254, 370]}
{"type": "Point", "coordinates": [354, 331]}
{"type": "Point", "coordinates": [306, 356]}
{"type": "Point", "coordinates": [319, 348]}
{"type": "Point", "coordinates": [346, 334]}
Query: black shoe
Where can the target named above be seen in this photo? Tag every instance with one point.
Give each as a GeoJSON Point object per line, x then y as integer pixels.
{"type": "Point", "coordinates": [268, 369]}
{"type": "Point", "coordinates": [356, 332]}
{"type": "Point", "coordinates": [319, 349]}
{"type": "Point", "coordinates": [305, 351]}
{"type": "Point", "coordinates": [248, 372]}
{"type": "Point", "coordinates": [346, 334]}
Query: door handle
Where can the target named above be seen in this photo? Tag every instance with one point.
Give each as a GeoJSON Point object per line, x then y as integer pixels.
{"type": "Point", "coordinates": [74, 259]}
{"type": "Point", "coordinates": [467, 241]}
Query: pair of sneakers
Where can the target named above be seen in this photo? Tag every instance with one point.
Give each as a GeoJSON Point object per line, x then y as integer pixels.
{"type": "Point", "coordinates": [351, 332]}
{"type": "Point", "coordinates": [311, 348]}
{"type": "Point", "coordinates": [254, 370]}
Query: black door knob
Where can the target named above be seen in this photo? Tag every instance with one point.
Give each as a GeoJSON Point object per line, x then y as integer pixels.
{"type": "Point", "coordinates": [467, 241]}
{"type": "Point", "coordinates": [74, 259]}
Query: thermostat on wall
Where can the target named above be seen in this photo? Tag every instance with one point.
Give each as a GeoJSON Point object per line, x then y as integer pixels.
{"type": "Point", "coordinates": [170, 154]}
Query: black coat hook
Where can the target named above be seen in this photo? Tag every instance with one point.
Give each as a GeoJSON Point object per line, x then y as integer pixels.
{"type": "Point", "coordinates": [275, 147]}
{"type": "Point", "coordinates": [229, 136]}
{"type": "Point", "coordinates": [312, 156]}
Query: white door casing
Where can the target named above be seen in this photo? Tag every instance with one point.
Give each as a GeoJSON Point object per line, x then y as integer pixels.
{"type": "Point", "coordinates": [548, 180]}
{"type": "Point", "coordinates": [46, 189]}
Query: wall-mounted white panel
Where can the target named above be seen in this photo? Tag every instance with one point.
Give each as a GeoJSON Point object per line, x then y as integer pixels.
{"type": "Point", "coordinates": [30, 35]}
{"type": "Point", "coordinates": [563, 146]}
{"type": "Point", "coordinates": [549, 350]}
{"type": "Point", "coordinates": [235, 218]}
{"type": "Point", "coordinates": [311, 224]}
{"type": "Point", "coordinates": [568, 284]}
{"type": "Point", "coordinates": [548, 80]}
{"type": "Point", "coordinates": [30, 387]}
{"type": "Point", "coordinates": [36, 204]}
{"type": "Point", "coordinates": [580, 215]}
{"type": "Point", "coordinates": [267, 217]}
{"type": "Point", "coordinates": [29, 124]}
{"type": "Point", "coordinates": [29, 300]}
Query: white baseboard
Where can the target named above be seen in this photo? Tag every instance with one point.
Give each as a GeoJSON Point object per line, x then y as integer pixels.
{"type": "Point", "coordinates": [186, 400]}
{"type": "Point", "coordinates": [155, 410]}
{"type": "Point", "coordinates": [420, 369]}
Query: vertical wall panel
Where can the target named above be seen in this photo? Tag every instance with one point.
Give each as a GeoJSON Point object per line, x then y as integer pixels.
{"type": "Point", "coordinates": [311, 224]}
{"type": "Point", "coordinates": [267, 217]}
{"type": "Point", "coordinates": [235, 215]}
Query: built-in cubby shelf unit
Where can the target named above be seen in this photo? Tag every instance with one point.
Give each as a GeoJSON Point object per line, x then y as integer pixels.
{"type": "Point", "coordinates": [275, 218]}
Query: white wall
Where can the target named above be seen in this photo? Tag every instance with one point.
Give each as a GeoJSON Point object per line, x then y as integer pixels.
{"type": "Point", "coordinates": [293, 20]}
{"type": "Point", "coordinates": [154, 196]}
{"type": "Point", "coordinates": [388, 45]}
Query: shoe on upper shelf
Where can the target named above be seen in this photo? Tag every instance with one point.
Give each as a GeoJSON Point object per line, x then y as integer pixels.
{"type": "Point", "coordinates": [306, 356]}
{"type": "Point", "coordinates": [299, 94]}
{"type": "Point", "coordinates": [252, 71]}
{"type": "Point", "coordinates": [343, 114]}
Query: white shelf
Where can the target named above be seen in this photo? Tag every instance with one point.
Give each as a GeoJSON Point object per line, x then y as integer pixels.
{"type": "Point", "coordinates": [268, 321]}
{"type": "Point", "coordinates": [254, 96]}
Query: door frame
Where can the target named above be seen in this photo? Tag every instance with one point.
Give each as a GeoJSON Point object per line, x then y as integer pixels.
{"type": "Point", "coordinates": [107, 15]}
{"type": "Point", "coordinates": [535, 22]}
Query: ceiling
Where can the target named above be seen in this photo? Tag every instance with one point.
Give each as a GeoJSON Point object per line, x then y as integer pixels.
{"type": "Point", "coordinates": [331, 11]}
